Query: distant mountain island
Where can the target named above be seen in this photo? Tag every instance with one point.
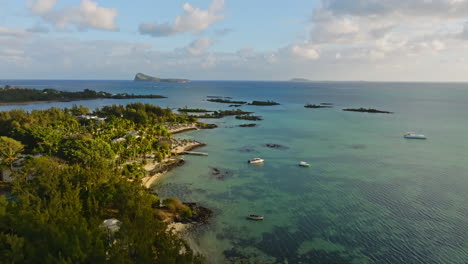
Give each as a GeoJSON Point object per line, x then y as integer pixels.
{"type": "Point", "coordinates": [140, 77]}
{"type": "Point", "coordinates": [300, 80]}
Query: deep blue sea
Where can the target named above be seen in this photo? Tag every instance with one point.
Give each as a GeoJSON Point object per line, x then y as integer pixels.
{"type": "Point", "coordinates": [369, 196]}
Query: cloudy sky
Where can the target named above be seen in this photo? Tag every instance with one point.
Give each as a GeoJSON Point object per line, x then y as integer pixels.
{"type": "Point", "coordinates": [373, 40]}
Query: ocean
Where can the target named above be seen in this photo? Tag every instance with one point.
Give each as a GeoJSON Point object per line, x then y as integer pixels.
{"type": "Point", "coordinates": [369, 196]}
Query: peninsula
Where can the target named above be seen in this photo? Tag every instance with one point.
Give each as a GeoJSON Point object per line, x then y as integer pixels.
{"type": "Point", "coordinates": [17, 95]}
{"type": "Point", "coordinates": [140, 77]}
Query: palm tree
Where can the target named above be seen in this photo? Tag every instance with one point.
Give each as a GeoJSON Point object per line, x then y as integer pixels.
{"type": "Point", "coordinates": [9, 149]}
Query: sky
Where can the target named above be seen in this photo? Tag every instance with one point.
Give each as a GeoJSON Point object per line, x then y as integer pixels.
{"type": "Point", "coordinates": [329, 40]}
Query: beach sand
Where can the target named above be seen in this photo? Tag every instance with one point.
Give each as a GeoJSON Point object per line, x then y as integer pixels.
{"type": "Point", "coordinates": [177, 148]}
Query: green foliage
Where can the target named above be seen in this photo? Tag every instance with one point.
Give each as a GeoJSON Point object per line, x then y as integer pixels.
{"type": "Point", "coordinates": [87, 152]}
{"type": "Point", "coordinates": [77, 110]}
{"type": "Point", "coordinates": [9, 149]}
{"type": "Point", "coordinates": [133, 170]}
{"type": "Point", "coordinates": [176, 206]}
{"type": "Point", "coordinates": [58, 211]}
{"type": "Point", "coordinates": [10, 94]}
{"type": "Point", "coordinates": [60, 200]}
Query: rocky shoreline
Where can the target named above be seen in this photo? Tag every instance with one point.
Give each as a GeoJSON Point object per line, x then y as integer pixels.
{"type": "Point", "coordinates": [176, 224]}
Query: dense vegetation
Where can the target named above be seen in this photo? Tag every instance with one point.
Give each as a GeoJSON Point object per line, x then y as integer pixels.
{"type": "Point", "coordinates": [10, 94]}
{"type": "Point", "coordinates": [367, 110]}
{"type": "Point", "coordinates": [59, 199]}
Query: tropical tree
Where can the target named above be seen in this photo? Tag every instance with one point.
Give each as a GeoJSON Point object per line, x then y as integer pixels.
{"type": "Point", "coordinates": [9, 149]}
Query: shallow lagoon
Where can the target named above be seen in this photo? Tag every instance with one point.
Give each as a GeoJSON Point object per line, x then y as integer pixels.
{"type": "Point", "coordinates": [369, 195]}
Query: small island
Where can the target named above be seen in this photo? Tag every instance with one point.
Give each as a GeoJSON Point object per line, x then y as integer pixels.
{"type": "Point", "coordinates": [140, 77]}
{"type": "Point", "coordinates": [264, 103]}
{"type": "Point", "coordinates": [225, 101]}
{"type": "Point", "coordinates": [367, 110]}
{"type": "Point", "coordinates": [299, 80]}
{"type": "Point", "coordinates": [17, 95]}
{"type": "Point", "coordinates": [249, 117]}
{"type": "Point", "coordinates": [223, 113]}
{"type": "Point", "coordinates": [193, 110]}
{"type": "Point", "coordinates": [248, 125]}
{"type": "Point", "coordinates": [318, 106]}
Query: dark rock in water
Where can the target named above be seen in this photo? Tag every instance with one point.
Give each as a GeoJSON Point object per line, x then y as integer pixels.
{"type": "Point", "coordinates": [248, 125]}
{"type": "Point", "coordinates": [201, 214]}
{"type": "Point", "coordinates": [220, 174]}
{"type": "Point", "coordinates": [235, 105]}
{"type": "Point", "coordinates": [358, 146]}
{"type": "Point", "coordinates": [207, 126]}
{"type": "Point", "coordinates": [247, 150]}
{"type": "Point", "coordinates": [275, 146]}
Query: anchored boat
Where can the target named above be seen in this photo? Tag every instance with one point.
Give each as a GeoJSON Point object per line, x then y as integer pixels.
{"type": "Point", "coordinates": [255, 217]}
{"type": "Point", "coordinates": [256, 160]}
{"type": "Point", "coordinates": [412, 135]}
{"type": "Point", "coordinates": [304, 164]}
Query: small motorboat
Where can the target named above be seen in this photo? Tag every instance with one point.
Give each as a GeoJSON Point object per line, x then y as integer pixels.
{"type": "Point", "coordinates": [304, 164]}
{"type": "Point", "coordinates": [412, 135]}
{"type": "Point", "coordinates": [255, 217]}
{"type": "Point", "coordinates": [256, 160]}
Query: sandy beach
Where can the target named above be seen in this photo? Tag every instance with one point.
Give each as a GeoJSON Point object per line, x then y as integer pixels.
{"type": "Point", "coordinates": [157, 169]}
{"type": "Point", "coordinates": [179, 128]}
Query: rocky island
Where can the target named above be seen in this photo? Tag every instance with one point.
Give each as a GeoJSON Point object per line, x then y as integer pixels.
{"type": "Point", "coordinates": [264, 103]}
{"type": "Point", "coordinates": [367, 110]}
{"type": "Point", "coordinates": [140, 77]}
{"type": "Point", "coordinates": [318, 106]}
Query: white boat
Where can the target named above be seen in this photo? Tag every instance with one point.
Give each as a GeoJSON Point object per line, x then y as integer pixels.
{"type": "Point", "coordinates": [412, 135]}
{"type": "Point", "coordinates": [255, 217]}
{"type": "Point", "coordinates": [304, 164]}
{"type": "Point", "coordinates": [256, 160]}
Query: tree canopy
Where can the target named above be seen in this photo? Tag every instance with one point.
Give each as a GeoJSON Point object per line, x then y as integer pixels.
{"type": "Point", "coordinates": [59, 200]}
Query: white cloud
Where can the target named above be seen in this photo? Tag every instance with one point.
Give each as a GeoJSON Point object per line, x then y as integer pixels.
{"type": "Point", "coordinates": [386, 29]}
{"type": "Point", "coordinates": [41, 7]}
{"type": "Point", "coordinates": [305, 51]}
{"type": "Point", "coordinates": [87, 15]}
{"type": "Point", "coordinates": [199, 46]}
{"type": "Point", "coordinates": [464, 33]}
{"type": "Point", "coordinates": [193, 20]}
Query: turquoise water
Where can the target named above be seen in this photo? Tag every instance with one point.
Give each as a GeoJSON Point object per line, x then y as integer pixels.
{"type": "Point", "coordinates": [369, 196]}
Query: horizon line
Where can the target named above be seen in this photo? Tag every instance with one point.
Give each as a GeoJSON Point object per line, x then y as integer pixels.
{"type": "Point", "coordinates": [226, 80]}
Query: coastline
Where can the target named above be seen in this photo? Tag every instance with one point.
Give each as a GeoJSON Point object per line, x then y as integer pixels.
{"type": "Point", "coordinates": [39, 102]}
{"type": "Point", "coordinates": [180, 128]}
{"type": "Point", "coordinates": [157, 169]}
